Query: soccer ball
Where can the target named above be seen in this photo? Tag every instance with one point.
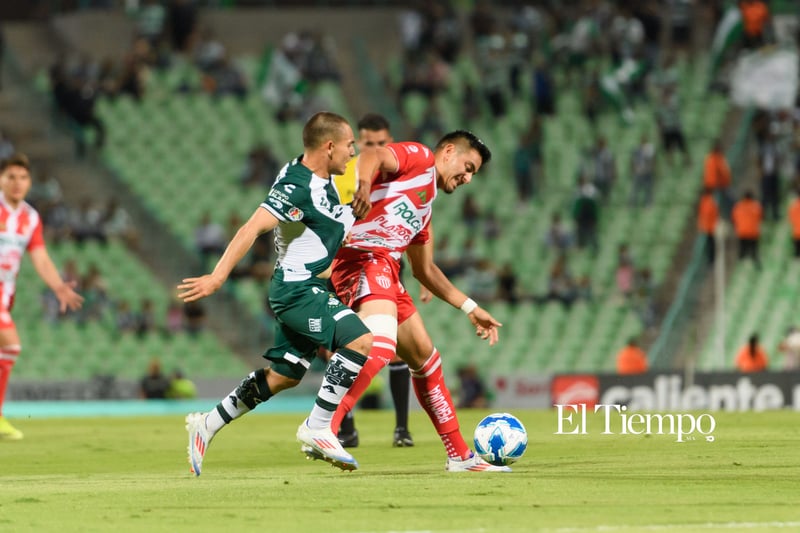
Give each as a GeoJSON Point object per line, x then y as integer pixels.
{"type": "Point", "coordinates": [500, 439]}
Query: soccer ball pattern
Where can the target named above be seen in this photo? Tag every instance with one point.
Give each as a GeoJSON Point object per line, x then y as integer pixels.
{"type": "Point", "coordinates": [500, 439]}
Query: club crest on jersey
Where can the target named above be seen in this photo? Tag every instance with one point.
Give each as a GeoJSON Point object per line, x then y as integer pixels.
{"type": "Point", "coordinates": [383, 281]}
{"type": "Point", "coordinates": [295, 214]}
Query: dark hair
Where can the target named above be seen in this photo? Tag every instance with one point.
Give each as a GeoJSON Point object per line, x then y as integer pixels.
{"type": "Point", "coordinates": [373, 122]}
{"type": "Point", "coordinates": [322, 127]}
{"type": "Point", "coordinates": [464, 136]}
{"type": "Point", "coordinates": [753, 344]}
{"type": "Point", "coordinates": [15, 160]}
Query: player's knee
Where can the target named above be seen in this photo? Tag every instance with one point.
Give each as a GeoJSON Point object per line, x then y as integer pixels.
{"type": "Point", "coordinates": [278, 382]}
{"type": "Point", "coordinates": [362, 345]}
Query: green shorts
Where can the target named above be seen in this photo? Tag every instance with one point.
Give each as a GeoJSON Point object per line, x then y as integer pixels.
{"type": "Point", "coordinates": [308, 316]}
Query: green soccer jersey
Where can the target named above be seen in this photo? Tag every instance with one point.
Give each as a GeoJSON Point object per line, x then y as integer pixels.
{"type": "Point", "coordinates": [313, 221]}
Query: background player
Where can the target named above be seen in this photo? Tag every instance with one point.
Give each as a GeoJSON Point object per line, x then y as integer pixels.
{"type": "Point", "coordinates": [310, 223]}
{"type": "Point", "coordinates": [401, 182]}
{"type": "Point", "coordinates": [21, 230]}
{"type": "Point", "coordinates": [374, 131]}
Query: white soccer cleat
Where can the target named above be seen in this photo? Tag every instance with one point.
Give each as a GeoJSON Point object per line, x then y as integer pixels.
{"type": "Point", "coordinates": [473, 464]}
{"type": "Point", "coordinates": [323, 444]}
{"type": "Point", "coordinates": [199, 439]}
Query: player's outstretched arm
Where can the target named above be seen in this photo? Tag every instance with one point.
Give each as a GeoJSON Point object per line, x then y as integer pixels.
{"type": "Point", "coordinates": [370, 163]}
{"type": "Point", "coordinates": [420, 258]}
{"type": "Point", "coordinates": [65, 292]}
{"type": "Point", "coordinates": [192, 289]}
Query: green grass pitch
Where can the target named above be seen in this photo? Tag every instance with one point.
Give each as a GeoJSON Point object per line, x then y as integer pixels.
{"type": "Point", "coordinates": [131, 474]}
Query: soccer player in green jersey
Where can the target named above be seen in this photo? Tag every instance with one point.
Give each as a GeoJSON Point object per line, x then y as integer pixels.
{"type": "Point", "coordinates": [310, 224]}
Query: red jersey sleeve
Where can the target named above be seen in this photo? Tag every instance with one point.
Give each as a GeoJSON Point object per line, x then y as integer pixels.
{"type": "Point", "coordinates": [411, 157]}
{"type": "Point", "coordinates": [37, 237]}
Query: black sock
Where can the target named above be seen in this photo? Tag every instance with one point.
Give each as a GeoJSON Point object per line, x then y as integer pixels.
{"type": "Point", "coordinates": [400, 384]}
{"type": "Point", "coordinates": [348, 425]}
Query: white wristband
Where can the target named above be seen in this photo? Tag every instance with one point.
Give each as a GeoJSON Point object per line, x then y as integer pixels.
{"type": "Point", "coordinates": [468, 306]}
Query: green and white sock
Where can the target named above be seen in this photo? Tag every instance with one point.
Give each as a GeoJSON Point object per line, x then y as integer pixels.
{"type": "Point", "coordinates": [340, 373]}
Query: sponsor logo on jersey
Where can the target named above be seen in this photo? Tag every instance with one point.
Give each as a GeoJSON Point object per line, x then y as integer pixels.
{"type": "Point", "coordinates": [295, 214]}
{"type": "Point", "coordinates": [412, 148]}
{"type": "Point", "coordinates": [278, 195]}
{"type": "Point", "coordinates": [423, 195]}
{"type": "Point", "coordinates": [315, 325]}
{"type": "Point", "coordinates": [383, 281]}
{"type": "Point", "coordinates": [405, 211]}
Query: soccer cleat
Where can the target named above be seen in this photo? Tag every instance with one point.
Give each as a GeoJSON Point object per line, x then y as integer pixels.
{"type": "Point", "coordinates": [348, 440]}
{"type": "Point", "coordinates": [199, 439]}
{"type": "Point", "coordinates": [323, 444]}
{"type": "Point", "coordinates": [402, 438]}
{"type": "Point", "coordinates": [473, 464]}
{"type": "Point", "coordinates": [7, 431]}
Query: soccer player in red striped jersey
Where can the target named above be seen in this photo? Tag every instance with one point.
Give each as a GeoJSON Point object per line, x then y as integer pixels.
{"type": "Point", "coordinates": [21, 231]}
{"type": "Point", "coordinates": [400, 182]}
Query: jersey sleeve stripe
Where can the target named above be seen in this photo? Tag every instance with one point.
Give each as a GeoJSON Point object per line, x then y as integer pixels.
{"type": "Point", "coordinates": [277, 214]}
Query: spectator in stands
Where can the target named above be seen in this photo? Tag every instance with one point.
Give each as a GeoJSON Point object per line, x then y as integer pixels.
{"type": "Point", "coordinates": [545, 89]}
{"type": "Point", "coordinates": [76, 101]}
{"type": "Point", "coordinates": [631, 359]}
{"type": "Point", "coordinates": [131, 79]}
{"type": "Point", "coordinates": [432, 125]}
{"type": "Point", "coordinates": [95, 290]}
{"type": "Point", "coordinates": [586, 213]}
{"type": "Point", "coordinates": [558, 236]}
{"type": "Point", "coordinates": [755, 19]}
{"type": "Point", "coordinates": [117, 224]}
{"type": "Point", "coordinates": [583, 289]}
{"type": "Point", "coordinates": [770, 161]}
{"type": "Point", "coordinates": [746, 217]}
{"type": "Point", "coordinates": [507, 284]}
{"type": "Point", "coordinates": [261, 168]}
{"type": "Point", "coordinates": [124, 318]}
{"type": "Point", "coordinates": [225, 78]}
{"type": "Point", "coordinates": [600, 167]}
{"type": "Point", "coordinates": [625, 271]}
{"type": "Point", "coordinates": [491, 227]}
{"type": "Point", "coordinates": [181, 387]}
{"type": "Point", "coordinates": [643, 299]}
{"type": "Point", "coordinates": [174, 319]}
{"type": "Point", "coordinates": [668, 116]}
{"type": "Point", "coordinates": [707, 219]}
{"type": "Point", "coordinates": [560, 285]}
{"type": "Point", "coordinates": [643, 170]}
{"type": "Point", "coordinates": [209, 238]}
{"type": "Point", "coordinates": [450, 262]}
{"type": "Point", "coordinates": [182, 18]}
{"type": "Point", "coordinates": [794, 221]}
{"type": "Point", "coordinates": [472, 391]}
{"type": "Point", "coordinates": [154, 384]}
{"type": "Point", "coordinates": [150, 21]}
{"type": "Point", "coordinates": [86, 222]}
{"type": "Point", "coordinates": [592, 97]}
{"type": "Point", "coordinates": [470, 212]}
{"type": "Point", "coordinates": [790, 348]}
{"type": "Point", "coordinates": [194, 314]}
{"type": "Point", "coordinates": [209, 51]}
{"type": "Point", "coordinates": [717, 174]}
{"type": "Point", "coordinates": [481, 280]}
{"type": "Point", "coordinates": [527, 160]}
{"type": "Point", "coordinates": [145, 318]}
{"type": "Point", "coordinates": [752, 357]}
{"type": "Point", "coordinates": [680, 14]}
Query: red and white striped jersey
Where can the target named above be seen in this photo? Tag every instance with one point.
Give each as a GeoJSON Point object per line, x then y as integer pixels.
{"type": "Point", "coordinates": [20, 230]}
{"type": "Point", "coordinates": [401, 203]}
